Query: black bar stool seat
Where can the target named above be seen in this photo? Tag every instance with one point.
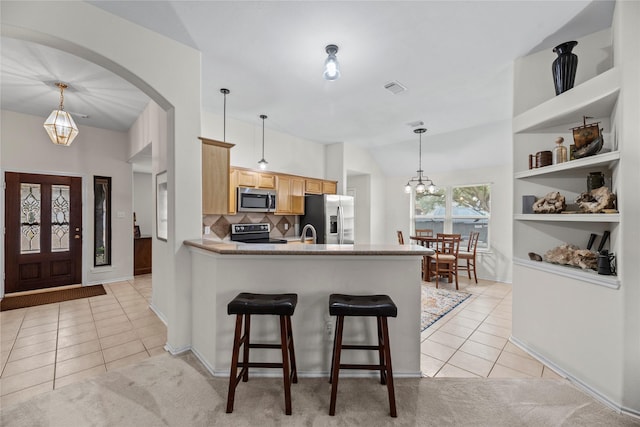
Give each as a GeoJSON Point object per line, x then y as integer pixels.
{"type": "Point", "coordinates": [379, 306]}
{"type": "Point", "coordinates": [243, 306]}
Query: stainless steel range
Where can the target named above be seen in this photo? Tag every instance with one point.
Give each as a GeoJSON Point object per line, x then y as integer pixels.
{"type": "Point", "coordinates": [253, 233]}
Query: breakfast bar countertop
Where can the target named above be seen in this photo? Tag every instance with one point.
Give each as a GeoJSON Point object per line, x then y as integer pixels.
{"type": "Point", "coordinates": [231, 248]}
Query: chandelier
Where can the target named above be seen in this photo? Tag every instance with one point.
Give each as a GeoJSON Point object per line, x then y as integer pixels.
{"type": "Point", "coordinates": [421, 187]}
{"type": "Point", "coordinates": [60, 125]}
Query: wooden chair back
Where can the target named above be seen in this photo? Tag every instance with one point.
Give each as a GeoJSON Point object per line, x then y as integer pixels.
{"type": "Point", "coordinates": [400, 237]}
{"type": "Point", "coordinates": [473, 242]}
{"type": "Point", "coordinates": [448, 244]}
{"type": "Point", "coordinates": [425, 232]}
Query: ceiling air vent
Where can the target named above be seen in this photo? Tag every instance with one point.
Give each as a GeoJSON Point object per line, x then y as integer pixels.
{"type": "Point", "coordinates": [395, 87]}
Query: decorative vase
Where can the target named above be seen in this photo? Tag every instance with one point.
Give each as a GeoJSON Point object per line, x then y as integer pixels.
{"type": "Point", "coordinates": [559, 152]}
{"type": "Point", "coordinates": [564, 67]}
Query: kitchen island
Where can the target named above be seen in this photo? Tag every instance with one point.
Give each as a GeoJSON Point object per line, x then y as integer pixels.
{"type": "Point", "coordinates": [222, 270]}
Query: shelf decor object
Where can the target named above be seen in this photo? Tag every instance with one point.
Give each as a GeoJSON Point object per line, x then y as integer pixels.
{"type": "Point", "coordinates": [564, 67]}
{"type": "Point", "coordinates": [588, 138]}
{"type": "Point", "coordinates": [559, 152]}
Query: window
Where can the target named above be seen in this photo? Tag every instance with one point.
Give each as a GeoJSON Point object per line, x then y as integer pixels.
{"type": "Point", "coordinates": [459, 210]}
{"type": "Point", "coordinates": [101, 221]}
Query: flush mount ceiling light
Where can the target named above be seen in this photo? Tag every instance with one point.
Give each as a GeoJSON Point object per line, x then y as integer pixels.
{"type": "Point", "coordinates": [60, 125]}
{"type": "Point", "coordinates": [421, 187]}
{"type": "Point", "coordinates": [263, 163]}
{"type": "Point", "coordinates": [331, 66]}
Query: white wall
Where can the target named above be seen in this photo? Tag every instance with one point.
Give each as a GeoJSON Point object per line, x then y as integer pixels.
{"type": "Point", "coordinates": [494, 264]}
{"type": "Point", "coordinates": [154, 64]}
{"type": "Point", "coordinates": [285, 153]}
{"type": "Point", "coordinates": [359, 161]}
{"type": "Point", "coordinates": [143, 202]}
{"type": "Point", "coordinates": [27, 148]}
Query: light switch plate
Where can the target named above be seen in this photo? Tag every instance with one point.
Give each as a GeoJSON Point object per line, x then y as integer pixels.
{"type": "Point", "coordinates": [120, 214]}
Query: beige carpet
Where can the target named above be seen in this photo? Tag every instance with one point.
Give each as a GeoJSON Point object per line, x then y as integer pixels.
{"type": "Point", "coordinates": [177, 391]}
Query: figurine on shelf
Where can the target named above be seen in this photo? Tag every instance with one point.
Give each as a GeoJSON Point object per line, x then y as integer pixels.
{"type": "Point", "coordinates": [559, 152]}
{"type": "Point", "coordinates": [588, 138]}
{"type": "Point", "coordinates": [567, 254]}
{"type": "Point", "coordinates": [553, 202]}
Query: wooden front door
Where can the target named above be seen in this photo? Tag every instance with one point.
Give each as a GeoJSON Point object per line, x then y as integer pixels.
{"type": "Point", "coordinates": [43, 231]}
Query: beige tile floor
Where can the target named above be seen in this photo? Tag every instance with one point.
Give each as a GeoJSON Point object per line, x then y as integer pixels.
{"type": "Point", "coordinates": [472, 339]}
{"type": "Point", "coordinates": [50, 346]}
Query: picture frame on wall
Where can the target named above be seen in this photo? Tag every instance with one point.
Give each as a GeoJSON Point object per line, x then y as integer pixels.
{"type": "Point", "coordinates": [162, 206]}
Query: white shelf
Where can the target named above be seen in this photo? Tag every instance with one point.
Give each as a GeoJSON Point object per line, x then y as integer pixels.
{"type": "Point", "coordinates": [601, 217]}
{"type": "Point", "coordinates": [589, 276]}
{"type": "Point", "coordinates": [605, 159]}
{"type": "Point", "coordinates": [593, 98]}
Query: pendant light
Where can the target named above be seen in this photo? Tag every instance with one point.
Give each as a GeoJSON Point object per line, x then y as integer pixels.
{"type": "Point", "coordinates": [421, 187]}
{"type": "Point", "coordinates": [331, 66]}
{"type": "Point", "coordinates": [225, 92]}
{"type": "Point", "coordinates": [60, 125]}
{"type": "Point", "coordinates": [263, 163]}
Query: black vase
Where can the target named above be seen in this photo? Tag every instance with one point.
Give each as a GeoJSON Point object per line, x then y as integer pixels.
{"type": "Point", "coordinates": [564, 67]}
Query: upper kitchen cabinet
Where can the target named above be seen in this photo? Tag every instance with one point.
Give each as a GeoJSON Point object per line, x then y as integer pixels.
{"type": "Point", "coordinates": [329, 187]}
{"type": "Point", "coordinates": [215, 177]}
{"type": "Point", "coordinates": [290, 193]}
{"type": "Point", "coordinates": [253, 179]}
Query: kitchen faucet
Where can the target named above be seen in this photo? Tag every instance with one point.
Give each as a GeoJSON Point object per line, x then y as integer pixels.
{"type": "Point", "coordinates": [303, 235]}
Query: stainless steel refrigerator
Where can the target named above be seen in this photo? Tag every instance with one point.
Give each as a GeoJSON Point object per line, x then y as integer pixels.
{"type": "Point", "coordinates": [332, 216]}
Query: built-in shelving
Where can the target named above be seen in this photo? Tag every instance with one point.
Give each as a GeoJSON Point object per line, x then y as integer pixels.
{"type": "Point", "coordinates": [594, 98]}
{"type": "Point", "coordinates": [589, 276]}
{"type": "Point", "coordinates": [605, 159]}
{"type": "Point", "coordinates": [569, 217]}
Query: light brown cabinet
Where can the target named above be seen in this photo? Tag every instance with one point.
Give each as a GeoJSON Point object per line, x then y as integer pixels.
{"type": "Point", "coordinates": [329, 187]}
{"type": "Point", "coordinates": [215, 176]}
{"type": "Point", "coordinates": [253, 179]}
{"type": "Point", "coordinates": [313, 186]}
{"type": "Point", "coordinates": [290, 193]}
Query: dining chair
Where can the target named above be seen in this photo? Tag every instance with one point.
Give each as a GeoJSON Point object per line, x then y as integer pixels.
{"type": "Point", "coordinates": [400, 237]}
{"type": "Point", "coordinates": [426, 232]}
{"type": "Point", "coordinates": [445, 260]}
{"type": "Point", "coordinates": [470, 255]}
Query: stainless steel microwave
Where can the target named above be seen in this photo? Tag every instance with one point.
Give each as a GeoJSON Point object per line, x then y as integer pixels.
{"type": "Point", "coordinates": [255, 200]}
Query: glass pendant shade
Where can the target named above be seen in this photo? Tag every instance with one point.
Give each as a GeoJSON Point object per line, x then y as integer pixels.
{"type": "Point", "coordinates": [331, 66]}
{"type": "Point", "coordinates": [407, 188]}
{"type": "Point", "coordinates": [263, 164]}
{"type": "Point", "coordinates": [420, 188]}
{"type": "Point", "coordinates": [61, 128]}
{"type": "Point", "coordinates": [432, 188]}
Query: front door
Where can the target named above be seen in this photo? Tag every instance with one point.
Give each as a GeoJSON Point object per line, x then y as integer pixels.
{"type": "Point", "coordinates": [43, 231]}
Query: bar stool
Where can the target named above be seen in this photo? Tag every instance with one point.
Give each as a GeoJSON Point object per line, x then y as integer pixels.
{"type": "Point", "coordinates": [380, 306]}
{"type": "Point", "coordinates": [244, 305]}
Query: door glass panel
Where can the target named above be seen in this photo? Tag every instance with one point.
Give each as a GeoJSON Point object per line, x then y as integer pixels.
{"type": "Point", "coordinates": [29, 218]}
{"type": "Point", "coordinates": [102, 220]}
{"type": "Point", "coordinates": [60, 212]}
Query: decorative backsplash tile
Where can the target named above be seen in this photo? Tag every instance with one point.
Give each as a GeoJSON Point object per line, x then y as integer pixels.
{"type": "Point", "coordinates": [221, 224]}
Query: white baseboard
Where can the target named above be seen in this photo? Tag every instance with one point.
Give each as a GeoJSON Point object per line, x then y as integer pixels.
{"type": "Point", "coordinates": [175, 351]}
{"type": "Point", "coordinates": [158, 313]}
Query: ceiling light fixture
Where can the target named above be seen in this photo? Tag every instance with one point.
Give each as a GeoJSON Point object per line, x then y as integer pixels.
{"type": "Point", "coordinates": [225, 92]}
{"type": "Point", "coordinates": [421, 187]}
{"type": "Point", "coordinates": [331, 66]}
{"type": "Point", "coordinates": [263, 163]}
{"type": "Point", "coordinates": [60, 125]}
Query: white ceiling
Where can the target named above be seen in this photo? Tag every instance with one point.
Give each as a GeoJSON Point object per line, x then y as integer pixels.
{"type": "Point", "coordinates": [454, 57]}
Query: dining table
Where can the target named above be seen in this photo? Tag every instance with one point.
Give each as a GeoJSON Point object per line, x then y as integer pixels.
{"type": "Point", "coordinates": [426, 242]}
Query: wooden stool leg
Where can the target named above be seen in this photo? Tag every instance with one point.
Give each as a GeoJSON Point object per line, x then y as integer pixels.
{"type": "Point", "coordinates": [233, 380]}
{"type": "Point", "coordinates": [292, 352]}
{"type": "Point", "coordinates": [337, 348]}
{"type": "Point", "coordinates": [333, 352]}
{"type": "Point", "coordinates": [389, 371]}
{"type": "Point", "coordinates": [383, 374]}
{"type": "Point", "coordinates": [285, 365]}
{"type": "Point", "coordinates": [245, 353]}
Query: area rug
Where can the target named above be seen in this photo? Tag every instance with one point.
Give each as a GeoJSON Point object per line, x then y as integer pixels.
{"type": "Point", "coordinates": [438, 302]}
{"type": "Point", "coordinates": [22, 301]}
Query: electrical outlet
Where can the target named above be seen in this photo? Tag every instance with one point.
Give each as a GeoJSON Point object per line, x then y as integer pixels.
{"type": "Point", "coordinates": [207, 229]}
{"type": "Point", "coordinates": [286, 226]}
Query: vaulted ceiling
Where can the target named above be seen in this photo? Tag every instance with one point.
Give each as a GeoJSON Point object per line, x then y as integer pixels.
{"type": "Point", "coordinates": [453, 57]}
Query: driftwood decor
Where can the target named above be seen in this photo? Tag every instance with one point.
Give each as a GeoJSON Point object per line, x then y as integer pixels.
{"type": "Point", "coordinates": [553, 202]}
{"type": "Point", "coordinates": [596, 200]}
{"type": "Point", "coordinates": [567, 254]}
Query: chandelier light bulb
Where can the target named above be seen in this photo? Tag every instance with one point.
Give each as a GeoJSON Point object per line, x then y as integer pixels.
{"type": "Point", "coordinates": [407, 188]}
{"type": "Point", "coordinates": [432, 188]}
{"type": "Point", "coordinates": [420, 188]}
{"type": "Point", "coordinates": [263, 164]}
{"type": "Point", "coordinates": [331, 66]}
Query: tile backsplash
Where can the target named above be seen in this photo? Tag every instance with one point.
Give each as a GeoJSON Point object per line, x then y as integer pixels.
{"type": "Point", "coordinates": [282, 226]}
